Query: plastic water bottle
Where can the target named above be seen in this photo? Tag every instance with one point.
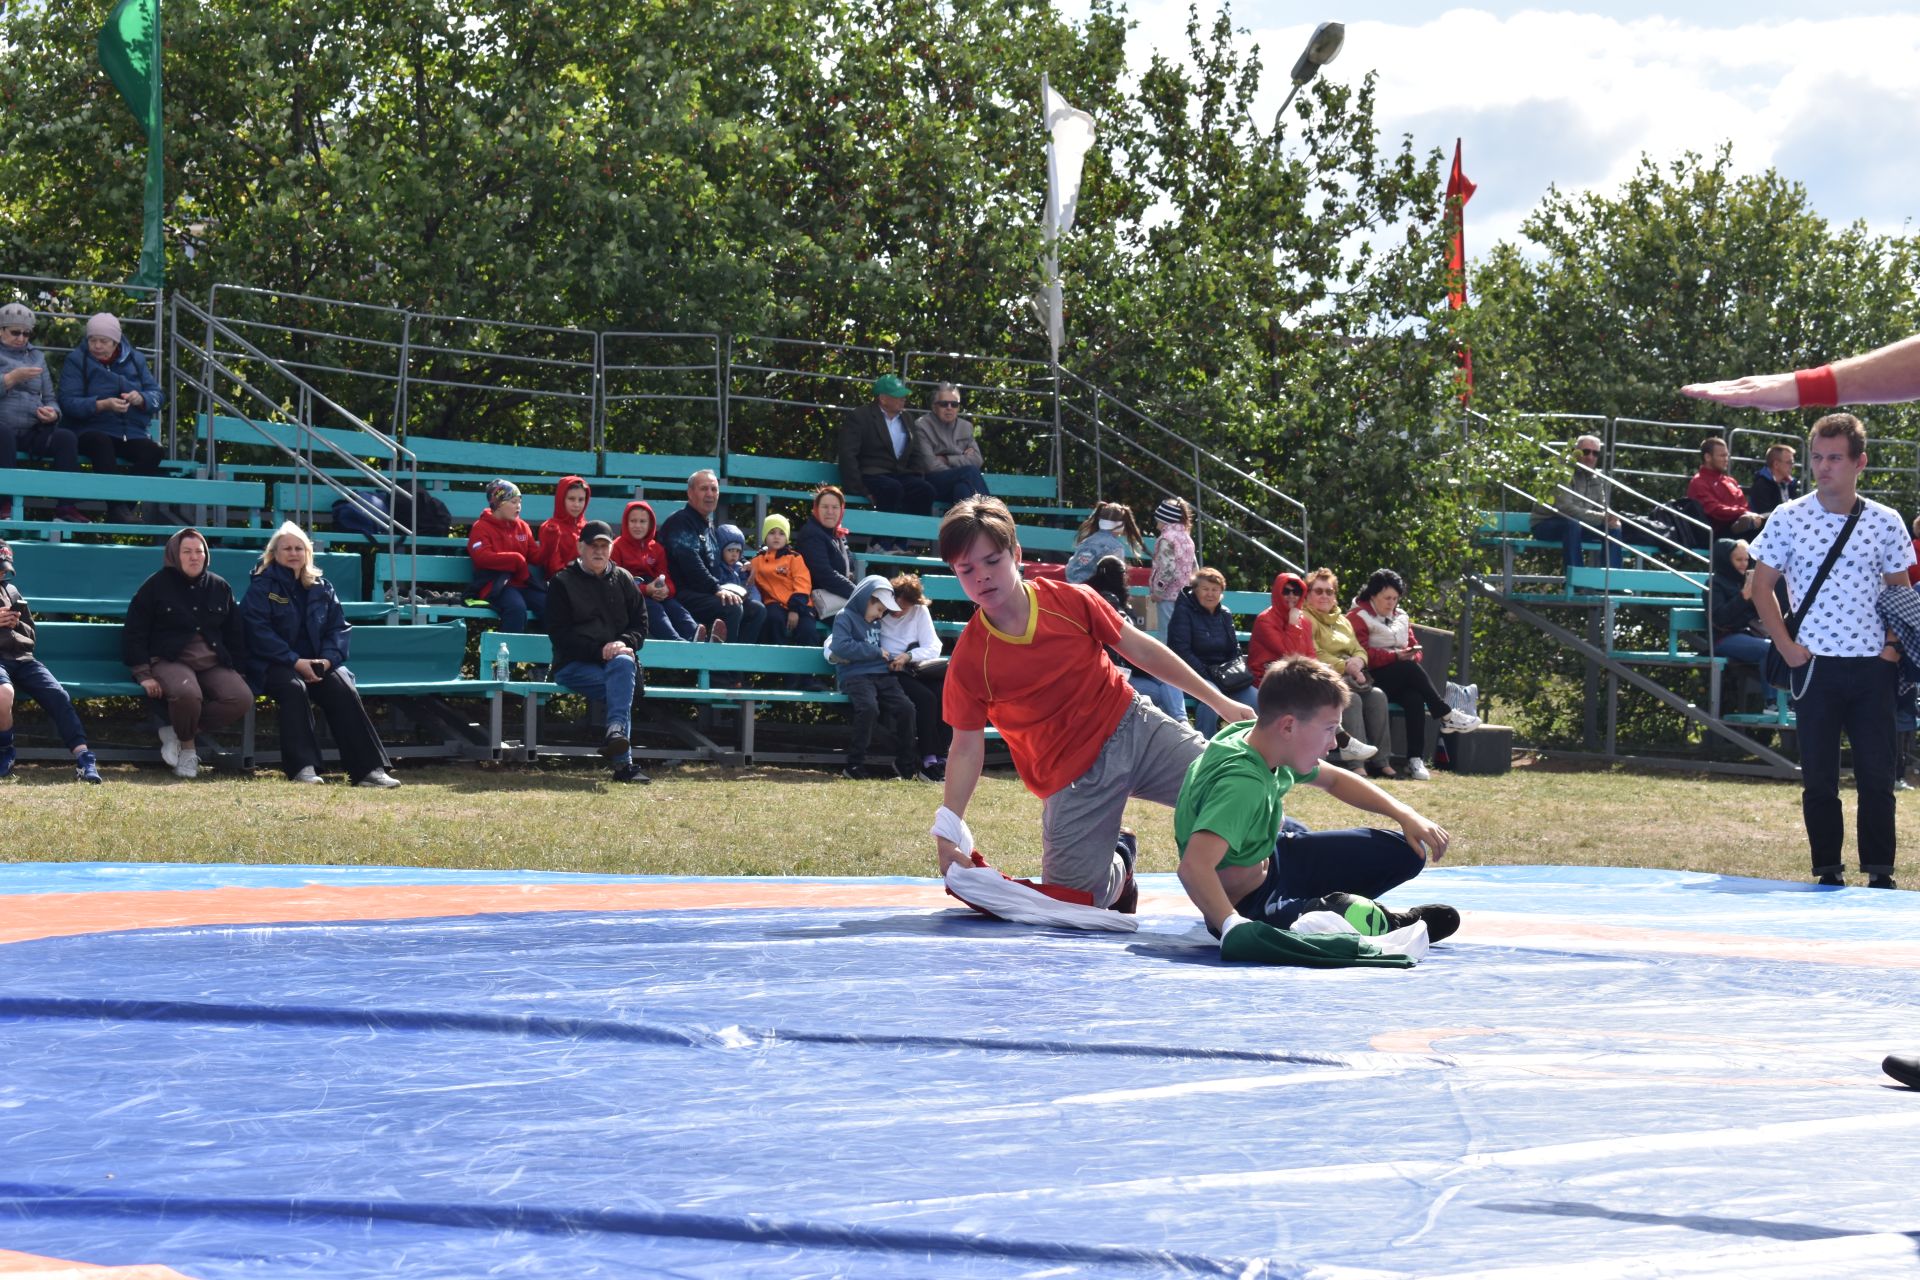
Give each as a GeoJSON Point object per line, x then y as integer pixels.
{"type": "Point", "coordinates": [502, 664]}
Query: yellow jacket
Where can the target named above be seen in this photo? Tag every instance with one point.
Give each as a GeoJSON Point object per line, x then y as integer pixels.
{"type": "Point", "coordinates": [1333, 638]}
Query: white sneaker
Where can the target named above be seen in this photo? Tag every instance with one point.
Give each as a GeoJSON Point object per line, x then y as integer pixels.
{"type": "Point", "coordinates": [1357, 751]}
{"type": "Point", "coordinates": [1417, 770]}
{"type": "Point", "coordinates": [169, 745]}
{"type": "Point", "coordinates": [1458, 721]}
{"type": "Point", "coordinates": [378, 778]}
{"type": "Point", "coordinates": [307, 775]}
{"type": "Point", "coordinates": [186, 764]}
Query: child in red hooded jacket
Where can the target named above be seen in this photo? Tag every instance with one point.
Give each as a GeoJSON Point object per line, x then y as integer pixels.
{"type": "Point", "coordinates": [560, 535]}
{"type": "Point", "coordinates": [502, 549]}
{"type": "Point", "coordinates": [639, 552]}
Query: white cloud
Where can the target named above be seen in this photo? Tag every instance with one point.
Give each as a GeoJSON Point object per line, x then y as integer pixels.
{"type": "Point", "coordinates": [1573, 99]}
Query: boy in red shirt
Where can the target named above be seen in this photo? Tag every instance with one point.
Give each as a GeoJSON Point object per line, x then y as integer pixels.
{"type": "Point", "coordinates": [1033, 663]}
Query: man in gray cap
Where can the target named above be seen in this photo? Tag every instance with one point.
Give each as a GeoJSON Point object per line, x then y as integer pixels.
{"type": "Point", "coordinates": [876, 452]}
{"type": "Point", "coordinates": [29, 410]}
{"type": "Point", "coordinates": [597, 620]}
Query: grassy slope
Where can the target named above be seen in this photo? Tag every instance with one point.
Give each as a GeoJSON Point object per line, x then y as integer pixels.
{"type": "Point", "coordinates": [703, 821]}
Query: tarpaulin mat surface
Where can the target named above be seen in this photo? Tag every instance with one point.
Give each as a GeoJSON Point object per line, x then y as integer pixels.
{"type": "Point", "coordinates": [250, 1072]}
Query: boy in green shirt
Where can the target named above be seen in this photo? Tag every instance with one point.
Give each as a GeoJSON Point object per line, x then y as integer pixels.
{"type": "Point", "coordinates": [1242, 859]}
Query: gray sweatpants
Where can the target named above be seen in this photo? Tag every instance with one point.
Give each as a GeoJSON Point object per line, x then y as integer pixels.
{"type": "Point", "coordinates": [1146, 755]}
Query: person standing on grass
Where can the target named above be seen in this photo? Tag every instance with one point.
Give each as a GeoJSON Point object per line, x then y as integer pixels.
{"type": "Point", "coordinates": [597, 620]}
{"type": "Point", "coordinates": [1032, 662]}
{"type": "Point", "coordinates": [19, 669]}
{"type": "Point", "coordinates": [1888, 375]}
{"type": "Point", "coordinates": [1845, 665]}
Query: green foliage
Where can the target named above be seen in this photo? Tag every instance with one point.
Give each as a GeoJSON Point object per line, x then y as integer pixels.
{"type": "Point", "coordinates": [835, 170]}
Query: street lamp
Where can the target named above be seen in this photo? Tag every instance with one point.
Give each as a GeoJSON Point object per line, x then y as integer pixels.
{"type": "Point", "coordinates": [1323, 46]}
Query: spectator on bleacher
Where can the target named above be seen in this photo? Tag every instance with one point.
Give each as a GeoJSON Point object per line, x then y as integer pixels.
{"type": "Point", "coordinates": [502, 549]}
{"type": "Point", "coordinates": [1719, 494]}
{"type": "Point", "coordinates": [693, 562]}
{"type": "Point", "coordinates": [1581, 502]}
{"type": "Point", "coordinates": [876, 452]}
{"type": "Point", "coordinates": [109, 398]}
{"type": "Point", "coordinates": [864, 669]}
{"type": "Point", "coordinates": [557, 544]}
{"type": "Point", "coordinates": [1737, 633]}
{"type": "Point", "coordinates": [183, 640]}
{"type": "Point", "coordinates": [1203, 634]}
{"type": "Point", "coordinates": [1108, 530]}
{"type": "Point", "coordinates": [1174, 561]}
{"type": "Point", "coordinates": [1110, 580]}
{"type": "Point", "coordinates": [597, 620]}
{"type": "Point", "coordinates": [907, 633]}
{"type": "Point", "coordinates": [22, 672]}
{"type": "Point", "coordinates": [29, 409]}
{"type": "Point", "coordinates": [736, 568]}
{"type": "Point", "coordinates": [823, 543]}
{"type": "Point", "coordinates": [1283, 630]}
{"type": "Point", "coordinates": [1775, 482]}
{"type": "Point", "coordinates": [786, 588]}
{"type": "Point", "coordinates": [297, 642]}
{"type": "Point", "coordinates": [1393, 660]}
{"type": "Point", "coordinates": [945, 452]}
{"type": "Point", "coordinates": [642, 554]}
{"type": "Point", "coordinates": [1913, 574]}
{"type": "Point", "coordinates": [1334, 643]}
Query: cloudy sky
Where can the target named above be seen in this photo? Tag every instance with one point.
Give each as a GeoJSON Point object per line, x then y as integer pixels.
{"type": "Point", "coordinates": [1829, 94]}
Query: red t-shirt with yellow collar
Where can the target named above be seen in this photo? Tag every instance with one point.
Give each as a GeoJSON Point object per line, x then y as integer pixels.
{"type": "Point", "coordinates": [1053, 693]}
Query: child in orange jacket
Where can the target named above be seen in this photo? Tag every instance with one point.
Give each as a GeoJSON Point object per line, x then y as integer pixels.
{"type": "Point", "coordinates": [780, 576]}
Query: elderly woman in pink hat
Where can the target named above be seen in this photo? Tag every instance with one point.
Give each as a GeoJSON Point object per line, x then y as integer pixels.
{"type": "Point", "coordinates": [109, 398]}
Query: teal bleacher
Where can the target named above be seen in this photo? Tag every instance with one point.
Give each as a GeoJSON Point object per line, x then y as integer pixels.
{"type": "Point", "coordinates": [53, 576]}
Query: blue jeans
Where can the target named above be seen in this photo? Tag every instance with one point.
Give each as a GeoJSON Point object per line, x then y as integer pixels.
{"type": "Point", "coordinates": [1162, 695]}
{"type": "Point", "coordinates": [743, 619]}
{"type": "Point", "coordinates": [902, 494]}
{"type": "Point", "coordinates": [805, 633]}
{"type": "Point", "coordinates": [31, 677]}
{"type": "Point", "coordinates": [1311, 864]}
{"type": "Point", "coordinates": [1208, 723]}
{"type": "Point", "coordinates": [669, 620]}
{"type": "Point", "coordinates": [955, 483]}
{"type": "Point", "coordinates": [1742, 647]}
{"type": "Point", "coordinates": [515, 604]}
{"type": "Point", "coordinates": [611, 682]}
{"type": "Point", "coordinates": [1573, 536]}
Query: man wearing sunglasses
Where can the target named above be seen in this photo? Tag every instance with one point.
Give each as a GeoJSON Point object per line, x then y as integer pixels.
{"type": "Point", "coordinates": [944, 450]}
{"type": "Point", "coordinates": [1578, 506]}
{"type": "Point", "coordinates": [29, 409]}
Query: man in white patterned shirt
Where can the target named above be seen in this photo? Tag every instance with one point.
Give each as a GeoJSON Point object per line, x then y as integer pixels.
{"type": "Point", "coordinates": [1842, 654]}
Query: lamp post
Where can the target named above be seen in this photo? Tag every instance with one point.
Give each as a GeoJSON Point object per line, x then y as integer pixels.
{"type": "Point", "coordinates": [1323, 46]}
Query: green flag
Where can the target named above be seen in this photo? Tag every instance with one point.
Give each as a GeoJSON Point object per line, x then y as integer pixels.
{"type": "Point", "coordinates": [130, 55]}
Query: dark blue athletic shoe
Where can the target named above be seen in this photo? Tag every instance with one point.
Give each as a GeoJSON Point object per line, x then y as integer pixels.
{"type": "Point", "coordinates": [86, 768]}
{"type": "Point", "coordinates": [6, 758]}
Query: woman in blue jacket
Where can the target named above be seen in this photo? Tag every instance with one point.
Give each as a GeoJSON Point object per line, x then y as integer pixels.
{"type": "Point", "coordinates": [108, 397]}
{"type": "Point", "coordinates": [1201, 631]}
{"type": "Point", "coordinates": [297, 637]}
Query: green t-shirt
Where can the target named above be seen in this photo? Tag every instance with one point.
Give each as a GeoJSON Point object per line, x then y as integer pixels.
{"type": "Point", "coordinates": [1230, 791]}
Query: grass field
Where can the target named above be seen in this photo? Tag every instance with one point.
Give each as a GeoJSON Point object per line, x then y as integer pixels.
{"type": "Point", "coordinates": [708, 821]}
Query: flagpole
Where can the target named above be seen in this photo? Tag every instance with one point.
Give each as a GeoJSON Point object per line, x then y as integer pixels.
{"type": "Point", "coordinates": [1052, 291]}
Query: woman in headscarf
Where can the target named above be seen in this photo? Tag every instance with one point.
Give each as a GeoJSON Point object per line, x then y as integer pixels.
{"type": "Point", "coordinates": [183, 640]}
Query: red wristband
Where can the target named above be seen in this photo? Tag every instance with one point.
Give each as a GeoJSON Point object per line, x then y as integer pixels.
{"type": "Point", "coordinates": [1818, 387]}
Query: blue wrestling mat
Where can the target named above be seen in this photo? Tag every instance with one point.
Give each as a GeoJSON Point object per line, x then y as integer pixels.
{"type": "Point", "coordinates": [247, 1072]}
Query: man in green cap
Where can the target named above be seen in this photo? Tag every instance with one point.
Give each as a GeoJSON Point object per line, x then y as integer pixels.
{"type": "Point", "coordinates": [876, 452]}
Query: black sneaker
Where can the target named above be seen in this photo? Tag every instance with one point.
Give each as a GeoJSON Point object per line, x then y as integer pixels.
{"type": "Point", "coordinates": [1128, 903]}
{"type": "Point", "coordinates": [934, 772]}
{"type": "Point", "coordinates": [630, 772]}
{"type": "Point", "coordinates": [1442, 921]}
{"type": "Point", "coordinates": [858, 772]}
{"type": "Point", "coordinates": [1881, 882]}
{"type": "Point", "coordinates": [1904, 1067]}
{"type": "Point", "coordinates": [615, 743]}
{"type": "Point", "coordinates": [1832, 880]}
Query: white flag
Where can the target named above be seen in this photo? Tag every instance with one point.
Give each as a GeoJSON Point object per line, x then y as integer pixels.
{"type": "Point", "coordinates": [1069, 137]}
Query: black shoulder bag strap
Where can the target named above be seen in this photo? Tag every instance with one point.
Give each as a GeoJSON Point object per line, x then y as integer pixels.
{"type": "Point", "coordinates": [1839, 545]}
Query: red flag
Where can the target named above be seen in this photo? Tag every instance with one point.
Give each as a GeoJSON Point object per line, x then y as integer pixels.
{"type": "Point", "coordinates": [1459, 191]}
